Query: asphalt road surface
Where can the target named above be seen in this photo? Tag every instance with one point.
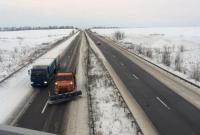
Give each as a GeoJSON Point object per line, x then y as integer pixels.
{"type": "Point", "coordinates": [170, 113]}
{"type": "Point", "coordinates": [49, 118]}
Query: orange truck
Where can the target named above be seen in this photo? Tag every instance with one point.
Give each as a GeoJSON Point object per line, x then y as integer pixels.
{"type": "Point", "coordinates": [65, 88]}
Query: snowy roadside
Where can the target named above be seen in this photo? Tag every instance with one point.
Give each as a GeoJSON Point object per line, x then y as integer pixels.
{"type": "Point", "coordinates": [109, 114]}
{"type": "Point", "coordinates": [173, 49]}
{"type": "Point", "coordinates": [17, 49]}
{"type": "Point", "coordinates": [170, 70]}
{"type": "Point", "coordinates": [77, 115]}
{"type": "Point", "coordinates": [16, 92]}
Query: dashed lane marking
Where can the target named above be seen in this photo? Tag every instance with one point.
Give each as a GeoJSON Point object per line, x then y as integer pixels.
{"type": "Point", "coordinates": [163, 103]}
{"type": "Point", "coordinates": [45, 106]}
{"type": "Point", "coordinates": [135, 76]}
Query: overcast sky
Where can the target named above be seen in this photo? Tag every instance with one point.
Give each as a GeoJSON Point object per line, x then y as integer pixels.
{"type": "Point", "coordinates": [87, 13]}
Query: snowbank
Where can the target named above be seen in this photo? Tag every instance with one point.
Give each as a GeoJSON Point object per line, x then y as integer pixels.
{"type": "Point", "coordinates": [15, 91]}
{"type": "Point", "coordinates": [77, 116]}
{"type": "Point", "coordinates": [18, 47]}
{"type": "Point", "coordinates": [182, 41]}
{"type": "Point", "coordinates": [109, 116]}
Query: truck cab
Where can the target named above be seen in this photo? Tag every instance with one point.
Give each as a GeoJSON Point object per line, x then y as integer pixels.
{"type": "Point", "coordinates": [65, 82]}
{"type": "Point", "coordinates": [39, 75]}
{"type": "Point", "coordinates": [65, 88]}
{"type": "Point", "coordinates": [42, 72]}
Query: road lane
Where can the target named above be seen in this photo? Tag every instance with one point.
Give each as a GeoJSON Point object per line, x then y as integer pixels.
{"type": "Point", "coordinates": [44, 117]}
{"type": "Point", "coordinates": [181, 119]}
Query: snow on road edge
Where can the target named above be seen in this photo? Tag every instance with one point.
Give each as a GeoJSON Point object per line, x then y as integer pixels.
{"type": "Point", "coordinates": [16, 91]}
{"type": "Point", "coordinates": [141, 118]}
{"type": "Point", "coordinates": [109, 116]}
{"type": "Point", "coordinates": [77, 123]}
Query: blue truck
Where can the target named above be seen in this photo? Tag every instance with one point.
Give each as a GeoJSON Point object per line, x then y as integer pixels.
{"type": "Point", "coordinates": [44, 68]}
{"type": "Point", "coordinates": [42, 71]}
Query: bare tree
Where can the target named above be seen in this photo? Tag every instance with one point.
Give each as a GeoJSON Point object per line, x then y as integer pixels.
{"type": "Point", "coordinates": [182, 48]}
{"type": "Point", "coordinates": [1, 59]}
{"type": "Point", "coordinates": [149, 52]}
{"type": "Point", "coordinates": [166, 56]}
{"type": "Point", "coordinates": [178, 62]}
{"type": "Point", "coordinates": [195, 74]}
{"type": "Point", "coordinates": [16, 50]}
{"type": "Point", "coordinates": [157, 50]}
{"type": "Point", "coordinates": [139, 49]}
{"type": "Point", "coordinates": [118, 35]}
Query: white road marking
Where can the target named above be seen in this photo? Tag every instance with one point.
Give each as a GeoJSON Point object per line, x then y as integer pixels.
{"type": "Point", "coordinates": [135, 76]}
{"type": "Point", "coordinates": [163, 103]}
{"type": "Point", "coordinates": [45, 106]}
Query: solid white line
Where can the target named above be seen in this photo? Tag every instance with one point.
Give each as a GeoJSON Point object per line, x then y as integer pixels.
{"type": "Point", "coordinates": [135, 76]}
{"type": "Point", "coordinates": [45, 106]}
{"type": "Point", "coordinates": [163, 103]}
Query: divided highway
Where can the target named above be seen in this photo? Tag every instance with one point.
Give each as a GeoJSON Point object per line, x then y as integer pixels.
{"type": "Point", "coordinates": [170, 113]}
{"type": "Point", "coordinates": [50, 118]}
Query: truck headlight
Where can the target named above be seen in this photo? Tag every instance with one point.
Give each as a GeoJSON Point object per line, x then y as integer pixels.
{"type": "Point", "coordinates": [45, 82]}
{"type": "Point", "coordinates": [56, 83]}
{"type": "Point", "coordinates": [71, 83]}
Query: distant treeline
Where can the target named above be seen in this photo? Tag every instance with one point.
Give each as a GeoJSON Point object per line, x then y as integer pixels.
{"type": "Point", "coordinates": [104, 27]}
{"type": "Point", "coordinates": [35, 28]}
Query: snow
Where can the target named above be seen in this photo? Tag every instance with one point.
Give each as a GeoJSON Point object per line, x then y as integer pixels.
{"type": "Point", "coordinates": [44, 62]}
{"type": "Point", "coordinates": [77, 116]}
{"type": "Point", "coordinates": [172, 31]}
{"type": "Point", "coordinates": [108, 114]}
{"type": "Point", "coordinates": [11, 39]}
{"type": "Point", "coordinates": [18, 47]}
{"type": "Point", "coordinates": [157, 38]}
{"type": "Point", "coordinates": [15, 91]}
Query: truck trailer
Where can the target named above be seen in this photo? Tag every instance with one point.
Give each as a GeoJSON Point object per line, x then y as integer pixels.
{"type": "Point", "coordinates": [44, 68]}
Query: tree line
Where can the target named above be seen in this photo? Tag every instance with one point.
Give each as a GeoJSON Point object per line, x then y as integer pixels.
{"type": "Point", "coordinates": [34, 28]}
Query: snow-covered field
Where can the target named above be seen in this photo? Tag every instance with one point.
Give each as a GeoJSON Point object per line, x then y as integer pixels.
{"type": "Point", "coordinates": [16, 91]}
{"type": "Point", "coordinates": [17, 47]}
{"type": "Point", "coordinates": [108, 114]}
{"type": "Point", "coordinates": [182, 43]}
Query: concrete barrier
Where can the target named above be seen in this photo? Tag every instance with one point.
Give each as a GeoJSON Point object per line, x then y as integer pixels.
{"type": "Point", "coordinates": [142, 120]}
{"type": "Point", "coordinates": [188, 91]}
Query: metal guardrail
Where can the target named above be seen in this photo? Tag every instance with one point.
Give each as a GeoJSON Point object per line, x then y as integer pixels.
{"type": "Point", "coordinates": [31, 60]}
{"type": "Point", "coordinates": [90, 110]}
{"type": "Point", "coordinates": [156, 65]}
{"type": "Point", "coordinates": [151, 62]}
{"type": "Point", "coordinates": [120, 98]}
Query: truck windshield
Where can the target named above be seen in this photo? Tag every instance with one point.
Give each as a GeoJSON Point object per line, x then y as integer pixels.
{"type": "Point", "coordinates": [38, 72]}
{"type": "Point", "coordinates": [63, 78]}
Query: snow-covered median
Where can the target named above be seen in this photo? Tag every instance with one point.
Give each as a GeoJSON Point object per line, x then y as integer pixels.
{"type": "Point", "coordinates": [109, 115]}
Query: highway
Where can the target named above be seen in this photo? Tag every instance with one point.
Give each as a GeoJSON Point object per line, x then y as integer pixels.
{"type": "Point", "coordinates": [170, 113]}
{"type": "Point", "coordinates": [50, 118]}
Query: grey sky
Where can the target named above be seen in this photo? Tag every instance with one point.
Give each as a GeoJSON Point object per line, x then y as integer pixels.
{"type": "Point", "coordinates": [87, 13]}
